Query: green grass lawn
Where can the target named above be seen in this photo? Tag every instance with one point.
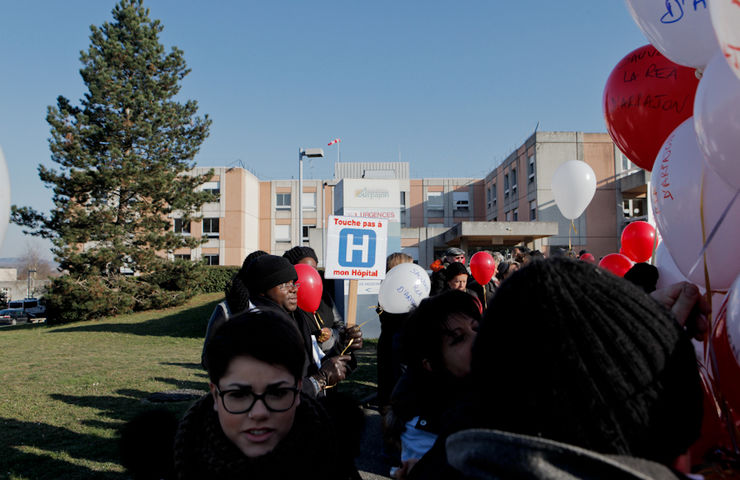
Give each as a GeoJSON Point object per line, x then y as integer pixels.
{"type": "Point", "coordinates": [66, 390]}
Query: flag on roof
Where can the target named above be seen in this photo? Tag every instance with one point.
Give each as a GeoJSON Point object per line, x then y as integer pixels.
{"type": "Point", "coordinates": [336, 140]}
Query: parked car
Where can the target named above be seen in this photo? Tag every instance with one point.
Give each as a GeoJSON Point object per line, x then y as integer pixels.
{"type": "Point", "coordinates": [10, 316]}
{"type": "Point", "coordinates": [30, 306]}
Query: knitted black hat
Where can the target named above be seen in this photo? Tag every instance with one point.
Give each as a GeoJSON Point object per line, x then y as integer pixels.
{"type": "Point", "coordinates": [454, 269]}
{"type": "Point", "coordinates": [586, 358]}
{"type": "Point", "coordinates": [268, 271]}
{"type": "Point", "coordinates": [295, 254]}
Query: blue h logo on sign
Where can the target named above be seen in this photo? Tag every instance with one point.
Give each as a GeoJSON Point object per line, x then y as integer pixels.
{"type": "Point", "coordinates": [356, 247]}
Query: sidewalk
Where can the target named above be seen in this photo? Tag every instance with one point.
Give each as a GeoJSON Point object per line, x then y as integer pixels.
{"type": "Point", "coordinates": [370, 462]}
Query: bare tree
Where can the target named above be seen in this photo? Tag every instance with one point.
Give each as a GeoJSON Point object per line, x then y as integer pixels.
{"type": "Point", "coordinates": [34, 259]}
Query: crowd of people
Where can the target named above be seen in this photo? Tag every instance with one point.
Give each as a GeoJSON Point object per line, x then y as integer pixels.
{"type": "Point", "coordinates": [555, 368]}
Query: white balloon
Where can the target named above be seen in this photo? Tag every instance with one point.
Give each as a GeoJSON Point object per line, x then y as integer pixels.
{"type": "Point", "coordinates": [732, 321]}
{"type": "Point", "coordinates": [573, 187]}
{"type": "Point", "coordinates": [680, 29]}
{"type": "Point", "coordinates": [668, 272]}
{"type": "Point", "coordinates": [403, 288]}
{"type": "Point", "coordinates": [676, 188]}
{"type": "Point", "coordinates": [4, 197]}
{"type": "Point", "coordinates": [726, 21]}
{"type": "Point", "coordinates": [717, 119]}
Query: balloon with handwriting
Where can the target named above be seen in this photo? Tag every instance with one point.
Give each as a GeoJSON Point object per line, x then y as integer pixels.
{"type": "Point", "coordinates": [616, 263]}
{"type": "Point", "coordinates": [4, 197]}
{"type": "Point", "coordinates": [573, 187]}
{"type": "Point", "coordinates": [637, 241]}
{"type": "Point", "coordinates": [482, 266]}
{"type": "Point", "coordinates": [403, 288]}
{"type": "Point", "coordinates": [726, 21]}
{"type": "Point", "coordinates": [717, 118]}
{"type": "Point", "coordinates": [680, 29]}
{"type": "Point", "coordinates": [310, 288]}
{"type": "Point", "coordinates": [678, 198]}
{"type": "Point", "coordinates": [646, 97]}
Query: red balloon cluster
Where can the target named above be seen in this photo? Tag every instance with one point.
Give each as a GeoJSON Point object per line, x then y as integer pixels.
{"type": "Point", "coordinates": [638, 239]}
{"type": "Point", "coordinates": [646, 97]}
{"type": "Point", "coordinates": [482, 267]}
{"type": "Point", "coordinates": [310, 288]}
{"type": "Point", "coordinates": [616, 263]}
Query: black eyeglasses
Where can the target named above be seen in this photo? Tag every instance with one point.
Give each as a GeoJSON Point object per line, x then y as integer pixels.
{"type": "Point", "coordinates": [242, 400]}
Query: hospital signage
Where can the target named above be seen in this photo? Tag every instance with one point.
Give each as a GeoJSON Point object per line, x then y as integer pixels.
{"type": "Point", "coordinates": [356, 248]}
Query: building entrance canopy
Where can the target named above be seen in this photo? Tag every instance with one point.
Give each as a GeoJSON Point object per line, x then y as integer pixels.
{"type": "Point", "coordinates": [468, 235]}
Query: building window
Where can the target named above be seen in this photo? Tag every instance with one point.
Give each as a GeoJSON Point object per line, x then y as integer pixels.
{"type": "Point", "coordinates": [282, 201]}
{"type": "Point", "coordinates": [182, 256]}
{"type": "Point", "coordinates": [309, 201]}
{"type": "Point", "coordinates": [530, 170]}
{"type": "Point", "coordinates": [533, 210]}
{"type": "Point", "coordinates": [211, 259]}
{"type": "Point", "coordinates": [634, 207]}
{"type": "Point", "coordinates": [403, 201]}
{"type": "Point", "coordinates": [488, 197]}
{"type": "Point", "coordinates": [182, 227]}
{"type": "Point", "coordinates": [508, 216]}
{"type": "Point", "coordinates": [213, 188]}
{"type": "Point", "coordinates": [210, 227]}
{"type": "Point", "coordinates": [461, 201]}
{"type": "Point", "coordinates": [506, 185]}
{"type": "Point", "coordinates": [513, 180]}
{"type": "Point", "coordinates": [306, 234]}
{"type": "Point", "coordinates": [282, 233]}
{"type": "Point", "coordinates": [435, 201]}
{"type": "Point", "coordinates": [494, 194]}
{"type": "Point", "coordinates": [515, 215]}
{"type": "Point", "coordinates": [494, 219]}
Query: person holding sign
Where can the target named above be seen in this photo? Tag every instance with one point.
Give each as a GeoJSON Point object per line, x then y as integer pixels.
{"type": "Point", "coordinates": [271, 281]}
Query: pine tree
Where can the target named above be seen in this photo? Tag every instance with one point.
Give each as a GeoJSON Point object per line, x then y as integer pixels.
{"type": "Point", "coordinates": [123, 155]}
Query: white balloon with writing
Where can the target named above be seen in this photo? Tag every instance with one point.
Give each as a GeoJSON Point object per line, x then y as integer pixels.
{"type": "Point", "coordinates": [726, 21]}
{"type": "Point", "coordinates": [678, 195]}
{"type": "Point", "coordinates": [680, 29]}
{"type": "Point", "coordinates": [573, 187]}
{"type": "Point", "coordinates": [4, 197]}
{"type": "Point", "coordinates": [717, 119]}
{"type": "Point", "coordinates": [403, 288]}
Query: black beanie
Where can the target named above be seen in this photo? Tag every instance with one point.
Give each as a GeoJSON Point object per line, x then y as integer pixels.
{"type": "Point", "coordinates": [295, 254]}
{"type": "Point", "coordinates": [268, 271]}
{"type": "Point", "coordinates": [574, 354]}
{"type": "Point", "coordinates": [454, 269]}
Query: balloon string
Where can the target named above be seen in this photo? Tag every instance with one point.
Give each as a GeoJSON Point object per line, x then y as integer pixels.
{"type": "Point", "coordinates": [713, 232]}
{"type": "Point", "coordinates": [572, 227]}
{"type": "Point", "coordinates": [319, 325]}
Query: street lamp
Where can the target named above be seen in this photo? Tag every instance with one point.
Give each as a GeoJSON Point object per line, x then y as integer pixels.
{"type": "Point", "coordinates": [308, 153]}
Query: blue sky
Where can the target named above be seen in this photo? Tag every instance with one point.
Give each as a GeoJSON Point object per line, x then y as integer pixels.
{"type": "Point", "coordinates": [451, 87]}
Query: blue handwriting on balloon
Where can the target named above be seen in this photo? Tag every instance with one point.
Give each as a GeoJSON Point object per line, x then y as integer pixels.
{"type": "Point", "coordinates": [675, 9]}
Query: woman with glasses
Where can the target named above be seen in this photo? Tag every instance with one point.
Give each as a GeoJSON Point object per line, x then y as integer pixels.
{"type": "Point", "coordinates": [256, 423]}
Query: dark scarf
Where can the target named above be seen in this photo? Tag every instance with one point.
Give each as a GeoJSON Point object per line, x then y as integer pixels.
{"type": "Point", "coordinates": [309, 450]}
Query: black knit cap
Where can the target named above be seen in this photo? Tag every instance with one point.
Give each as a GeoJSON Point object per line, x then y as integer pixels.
{"type": "Point", "coordinates": [295, 254]}
{"type": "Point", "coordinates": [454, 269]}
{"type": "Point", "coordinates": [571, 353]}
{"type": "Point", "coordinates": [268, 271]}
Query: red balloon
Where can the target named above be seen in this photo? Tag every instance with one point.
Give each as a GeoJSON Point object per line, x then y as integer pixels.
{"type": "Point", "coordinates": [616, 263]}
{"type": "Point", "coordinates": [588, 257]}
{"type": "Point", "coordinates": [310, 288]}
{"type": "Point", "coordinates": [482, 266]}
{"type": "Point", "coordinates": [646, 97]}
{"type": "Point", "coordinates": [637, 241]}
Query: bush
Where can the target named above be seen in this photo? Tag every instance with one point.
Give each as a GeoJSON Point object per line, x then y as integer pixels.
{"type": "Point", "coordinates": [216, 278]}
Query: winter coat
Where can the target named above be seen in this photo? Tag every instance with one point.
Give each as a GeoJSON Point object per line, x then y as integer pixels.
{"type": "Point", "coordinates": [311, 450]}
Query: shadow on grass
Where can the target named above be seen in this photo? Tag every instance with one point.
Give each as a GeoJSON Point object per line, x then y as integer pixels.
{"type": "Point", "coordinates": [189, 323]}
{"type": "Point", "coordinates": [14, 462]}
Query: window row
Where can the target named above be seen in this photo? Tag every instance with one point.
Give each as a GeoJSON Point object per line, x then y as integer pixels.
{"type": "Point", "coordinates": [208, 259]}
{"type": "Point", "coordinates": [282, 201]}
{"type": "Point", "coordinates": [435, 201]}
{"type": "Point", "coordinates": [210, 227]}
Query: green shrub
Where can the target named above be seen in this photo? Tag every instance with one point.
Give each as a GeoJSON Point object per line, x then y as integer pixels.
{"type": "Point", "coordinates": [216, 278]}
